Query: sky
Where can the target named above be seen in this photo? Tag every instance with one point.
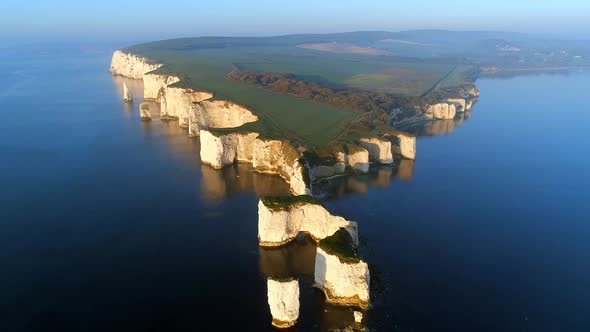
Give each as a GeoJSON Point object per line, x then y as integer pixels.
{"type": "Point", "coordinates": [144, 20]}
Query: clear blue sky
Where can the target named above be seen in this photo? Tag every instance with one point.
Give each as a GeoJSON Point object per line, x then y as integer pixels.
{"type": "Point", "coordinates": [149, 19]}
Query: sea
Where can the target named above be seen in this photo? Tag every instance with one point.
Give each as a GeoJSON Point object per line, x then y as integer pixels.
{"type": "Point", "coordinates": [110, 223]}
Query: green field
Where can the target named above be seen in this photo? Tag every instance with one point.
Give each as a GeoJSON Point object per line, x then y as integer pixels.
{"type": "Point", "coordinates": [205, 62]}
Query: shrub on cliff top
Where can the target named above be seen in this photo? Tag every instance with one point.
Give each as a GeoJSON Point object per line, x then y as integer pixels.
{"type": "Point", "coordinates": [286, 202]}
{"type": "Point", "coordinates": [340, 244]}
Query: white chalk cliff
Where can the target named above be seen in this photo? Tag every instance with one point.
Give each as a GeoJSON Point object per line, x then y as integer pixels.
{"type": "Point", "coordinates": [132, 66]}
{"type": "Point", "coordinates": [154, 84]}
{"type": "Point", "coordinates": [344, 283]}
{"type": "Point", "coordinates": [354, 157]}
{"type": "Point", "coordinates": [127, 96]}
{"type": "Point", "coordinates": [283, 300]}
{"type": "Point", "coordinates": [441, 110]}
{"type": "Point", "coordinates": [280, 225]}
{"type": "Point", "coordinates": [379, 149]}
{"type": "Point", "coordinates": [266, 155]}
{"type": "Point", "coordinates": [217, 114]}
{"type": "Point", "coordinates": [404, 145]}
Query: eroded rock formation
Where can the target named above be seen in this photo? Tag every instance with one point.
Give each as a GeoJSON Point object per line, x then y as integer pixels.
{"type": "Point", "coordinates": [280, 219]}
{"type": "Point", "coordinates": [283, 300]}
{"type": "Point", "coordinates": [379, 149]}
{"type": "Point", "coordinates": [441, 111]}
{"type": "Point", "coordinates": [154, 84]}
{"type": "Point", "coordinates": [209, 113]}
{"type": "Point", "coordinates": [266, 155]}
{"type": "Point", "coordinates": [127, 96]}
{"type": "Point", "coordinates": [130, 65]}
{"type": "Point", "coordinates": [342, 275]}
{"type": "Point", "coordinates": [145, 113]}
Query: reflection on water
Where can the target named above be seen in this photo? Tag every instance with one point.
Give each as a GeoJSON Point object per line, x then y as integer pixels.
{"type": "Point", "coordinates": [297, 260]}
{"type": "Point", "coordinates": [215, 184]}
{"type": "Point", "coordinates": [379, 176]}
{"type": "Point", "coordinates": [135, 86]}
{"type": "Point", "coordinates": [438, 127]}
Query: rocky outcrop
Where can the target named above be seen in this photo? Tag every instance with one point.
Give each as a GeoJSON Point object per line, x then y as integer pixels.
{"type": "Point", "coordinates": [337, 158]}
{"type": "Point", "coordinates": [379, 149]}
{"type": "Point", "coordinates": [403, 145]}
{"type": "Point", "coordinates": [358, 317]}
{"type": "Point", "coordinates": [348, 156]}
{"type": "Point", "coordinates": [460, 104]}
{"type": "Point", "coordinates": [145, 113]}
{"type": "Point", "coordinates": [130, 65]}
{"type": "Point", "coordinates": [127, 96]}
{"type": "Point", "coordinates": [217, 114]}
{"type": "Point", "coordinates": [342, 276]}
{"type": "Point", "coordinates": [177, 103]}
{"type": "Point", "coordinates": [266, 155]}
{"type": "Point", "coordinates": [280, 219]}
{"type": "Point", "coordinates": [154, 84]}
{"type": "Point", "coordinates": [283, 300]}
{"type": "Point", "coordinates": [441, 110]}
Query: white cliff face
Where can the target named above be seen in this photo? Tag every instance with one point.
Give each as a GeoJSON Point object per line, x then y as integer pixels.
{"type": "Point", "coordinates": [217, 114]}
{"type": "Point", "coordinates": [145, 113]}
{"type": "Point", "coordinates": [283, 300]}
{"type": "Point", "coordinates": [127, 96]}
{"type": "Point", "coordinates": [130, 65]}
{"type": "Point", "coordinates": [404, 145]}
{"type": "Point", "coordinates": [154, 84]}
{"type": "Point", "coordinates": [379, 149]}
{"type": "Point", "coordinates": [176, 103]}
{"type": "Point", "coordinates": [441, 111]}
{"type": "Point", "coordinates": [460, 104]}
{"type": "Point", "coordinates": [280, 157]}
{"type": "Point", "coordinates": [343, 283]}
{"type": "Point", "coordinates": [278, 226]}
{"type": "Point", "coordinates": [218, 151]}
{"type": "Point", "coordinates": [348, 156]}
{"type": "Point", "coordinates": [358, 317]}
{"type": "Point", "coordinates": [357, 158]}
{"type": "Point", "coordinates": [267, 156]}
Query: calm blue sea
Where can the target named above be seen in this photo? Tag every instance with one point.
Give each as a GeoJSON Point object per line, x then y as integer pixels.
{"type": "Point", "coordinates": [108, 223]}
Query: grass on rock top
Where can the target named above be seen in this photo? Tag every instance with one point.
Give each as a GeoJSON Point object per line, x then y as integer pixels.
{"type": "Point", "coordinates": [340, 244]}
{"type": "Point", "coordinates": [277, 203]}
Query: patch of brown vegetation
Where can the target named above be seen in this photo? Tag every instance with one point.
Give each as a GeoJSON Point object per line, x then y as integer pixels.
{"type": "Point", "coordinates": [343, 48]}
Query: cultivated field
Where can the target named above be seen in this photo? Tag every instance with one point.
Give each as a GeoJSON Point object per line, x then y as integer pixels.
{"type": "Point", "coordinates": [204, 64]}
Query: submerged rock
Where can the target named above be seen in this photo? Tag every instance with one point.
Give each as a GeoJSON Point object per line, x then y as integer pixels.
{"type": "Point", "coordinates": [340, 273]}
{"type": "Point", "coordinates": [283, 300]}
{"type": "Point", "coordinates": [127, 96]}
{"type": "Point", "coordinates": [145, 113]}
{"type": "Point", "coordinates": [280, 219]}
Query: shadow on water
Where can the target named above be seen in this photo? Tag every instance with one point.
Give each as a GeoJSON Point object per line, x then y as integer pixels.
{"type": "Point", "coordinates": [438, 127]}
{"type": "Point", "coordinates": [297, 260]}
{"type": "Point", "coordinates": [378, 177]}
